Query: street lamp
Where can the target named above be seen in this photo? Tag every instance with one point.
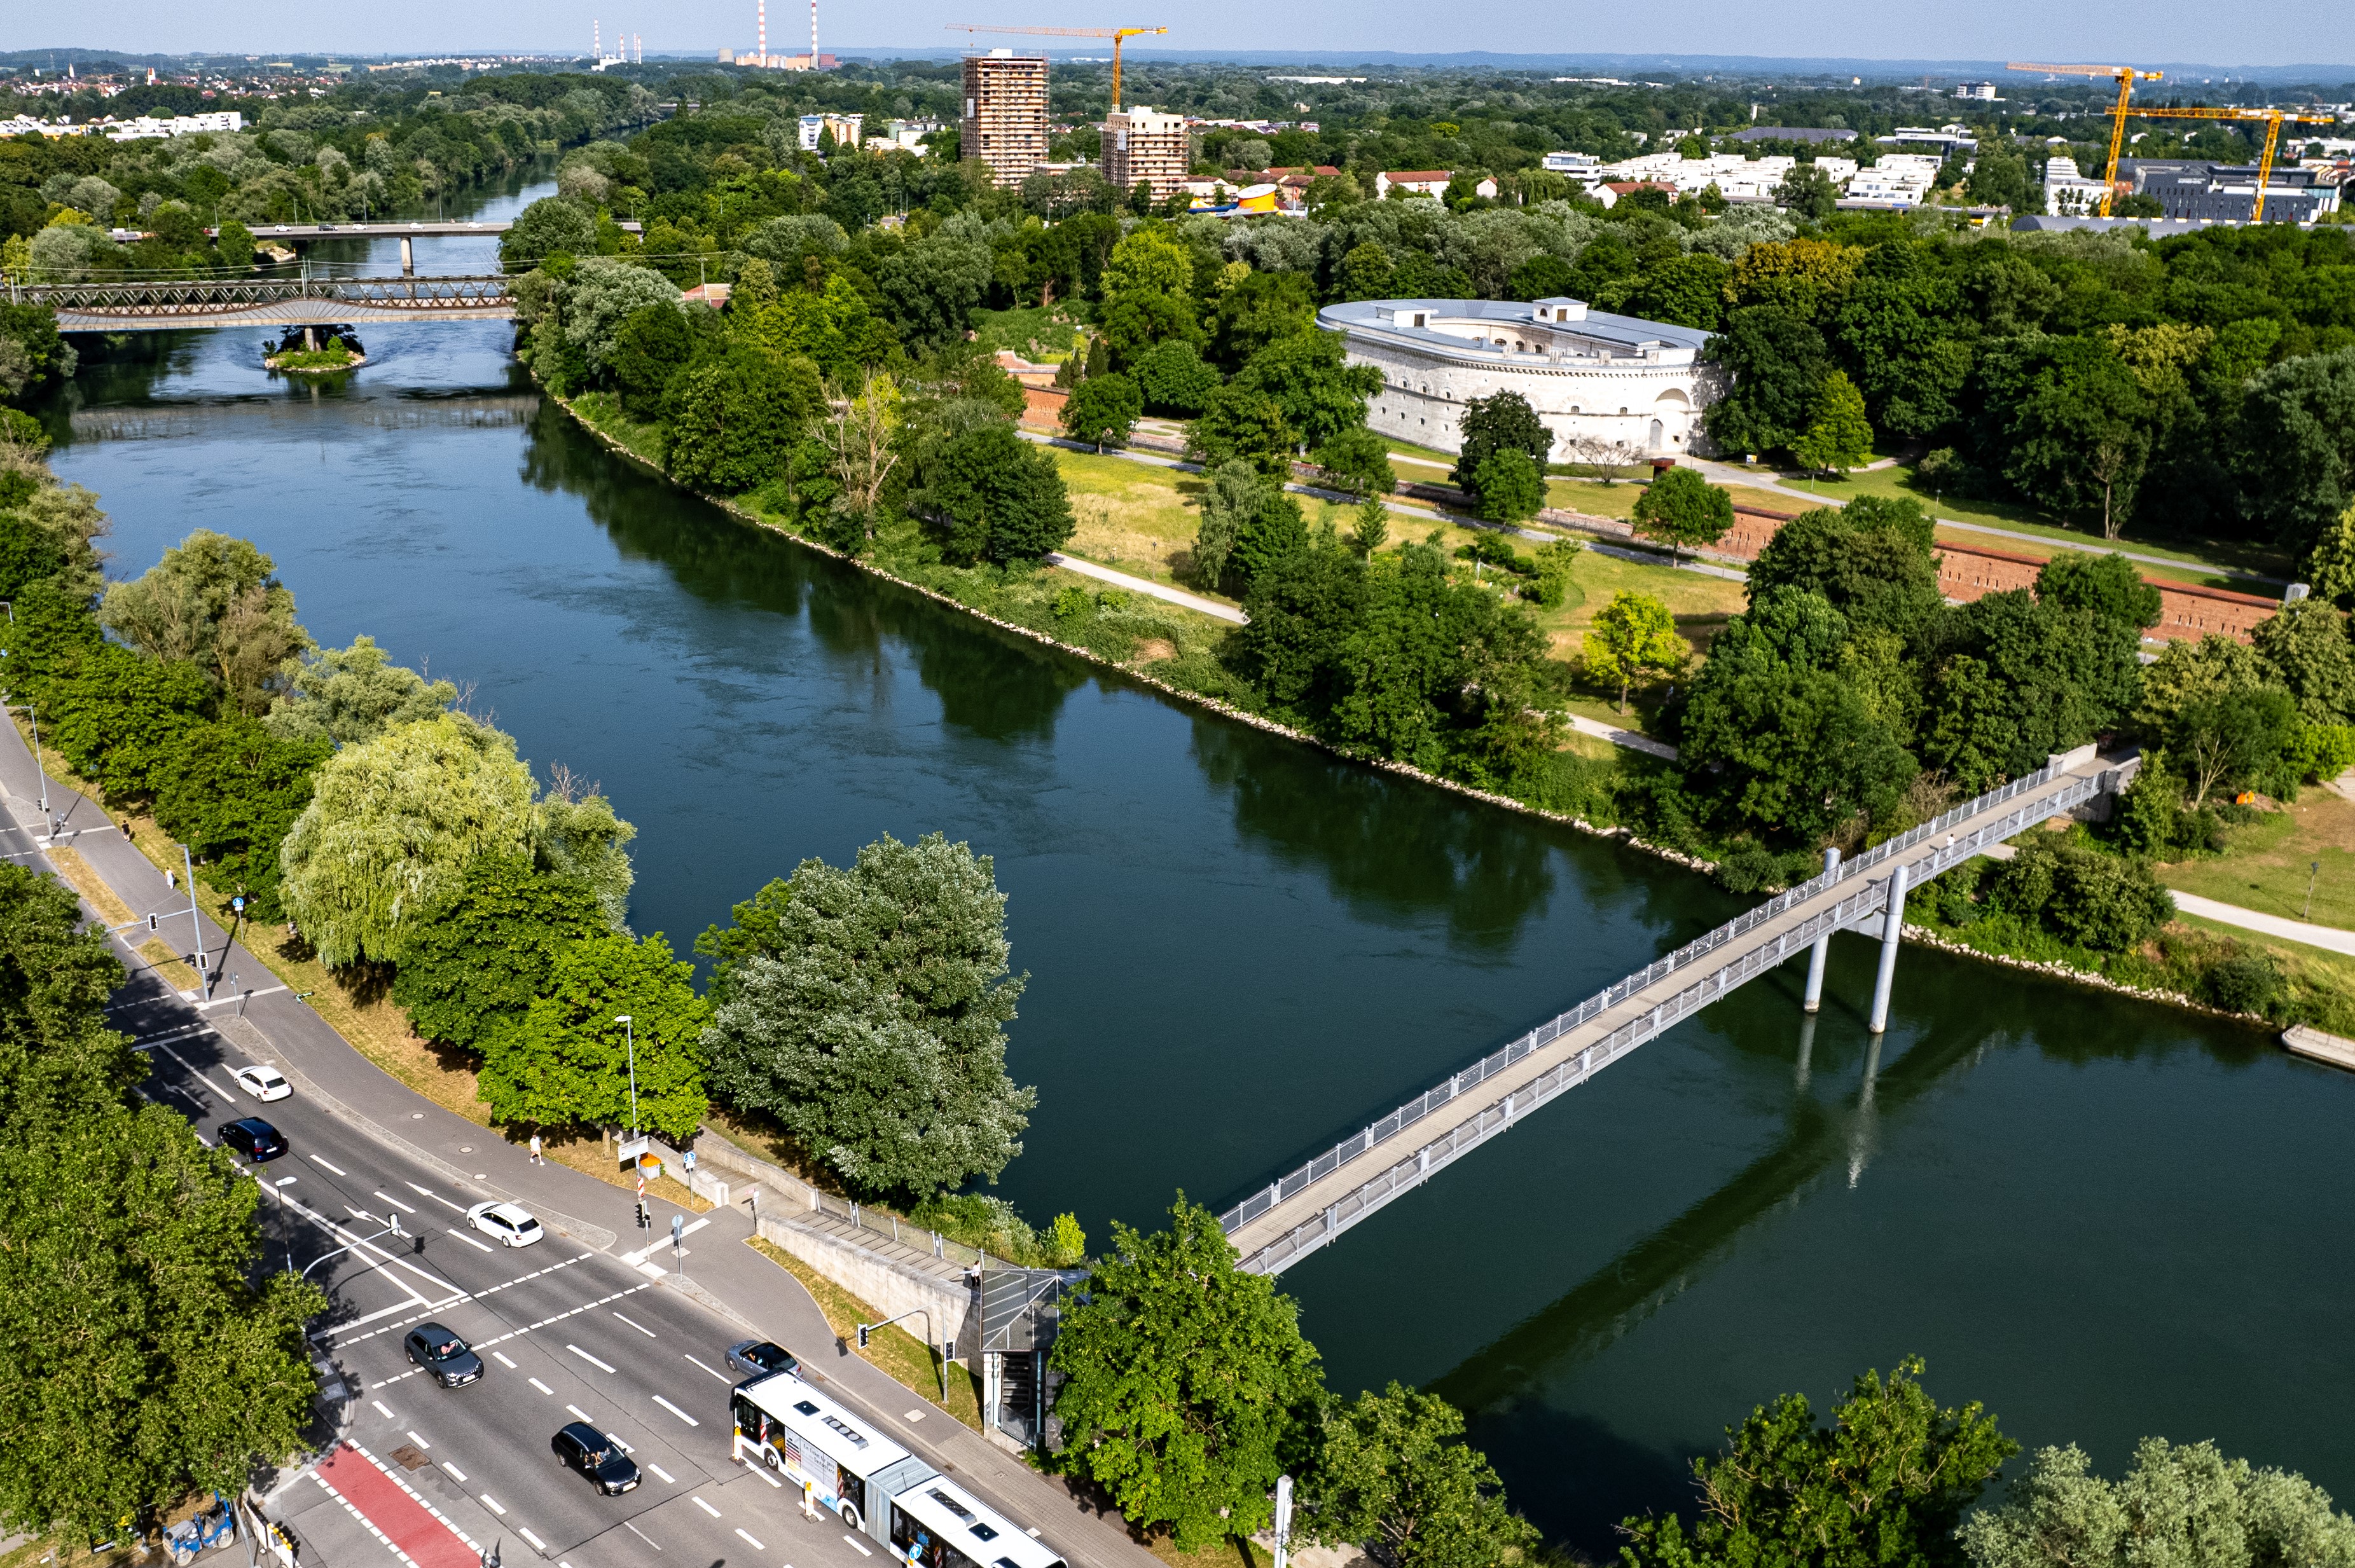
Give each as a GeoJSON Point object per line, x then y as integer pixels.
{"type": "Point", "coordinates": [2310, 877]}
{"type": "Point", "coordinates": [630, 1039]}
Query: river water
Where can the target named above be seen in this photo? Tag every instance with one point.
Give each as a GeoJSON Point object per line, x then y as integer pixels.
{"type": "Point", "coordinates": [2101, 1218]}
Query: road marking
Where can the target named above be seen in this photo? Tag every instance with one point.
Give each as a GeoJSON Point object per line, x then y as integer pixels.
{"type": "Point", "coordinates": [639, 1326]}
{"type": "Point", "coordinates": [323, 1165]}
{"type": "Point", "coordinates": [467, 1239]}
{"type": "Point", "coordinates": [536, 1542]}
{"type": "Point", "coordinates": [437, 1198]}
{"type": "Point", "coordinates": [453, 1469]}
{"type": "Point", "coordinates": [705, 1507]}
{"type": "Point", "coordinates": [690, 1230]}
{"type": "Point", "coordinates": [535, 1381]}
{"type": "Point", "coordinates": [668, 1479]}
{"type": "Point", "coordinates": [587, 1358]}
{"type": "Point", "coordinates": [641, 1534]}
{"type": "Point", "coordinates": [503, 1360]}
{"type": "Point", "coordinates": [580, 1415]}
{"type": "Point", "coordinates": [652, 1271]}
{"type": "Point", "coordinates": [675, 1411]}
{"type": "Point", "coordinates": [749, 1541]}
{"type": "Point", "coordinates": [764, 1475]}
{"type": "Point", "coordinates": [493, 1503]}
{"type": "Point", "coordinates": [386, 1195]}
{"type": "Point", "coordinates": [381, 1411]}
{"type": "Point", "coordinates": [723, 1377]}
{"type": "Point", "coordinates": [855, 1541]}
{"type": "Point", "coordinates": [418, 1441]}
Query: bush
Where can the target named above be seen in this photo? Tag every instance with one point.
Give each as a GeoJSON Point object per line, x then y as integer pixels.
{"type": "Point", "coordinates": [1073, 604]}
{"type": "Point", "coordinates": [2244, 983]}
{"type": "Point", "coordinates": [2103, 902]}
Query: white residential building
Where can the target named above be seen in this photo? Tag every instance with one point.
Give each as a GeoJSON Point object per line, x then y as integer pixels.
{"type": "Point", "coordinates": [1637, 383]}
{"type": "Point", "coordinates": [2067, 193]}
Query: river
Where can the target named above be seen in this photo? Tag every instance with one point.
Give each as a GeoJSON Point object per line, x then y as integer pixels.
{"type": "Point", "coordinates": [2101, 1218]}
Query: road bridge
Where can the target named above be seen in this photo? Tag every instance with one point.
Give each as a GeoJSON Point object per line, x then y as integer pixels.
{"type": "Point", "coordinates": [1310, 1207]}
{"type": "Point", "coordinates": [177, 305]}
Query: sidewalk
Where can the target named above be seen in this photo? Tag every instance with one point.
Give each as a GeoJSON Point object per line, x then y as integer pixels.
{"type": "Point", "coordinates": [262, 1017]}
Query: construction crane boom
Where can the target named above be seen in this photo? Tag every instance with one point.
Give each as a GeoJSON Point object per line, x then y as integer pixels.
{"type": "Point", "coordinates": [1117, 35]}
{"type": "Point", "coordinates": [2126, 77]}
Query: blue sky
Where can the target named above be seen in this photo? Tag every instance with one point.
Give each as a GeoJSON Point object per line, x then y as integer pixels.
{"type": "Point", "coordinates": [1894, 30]}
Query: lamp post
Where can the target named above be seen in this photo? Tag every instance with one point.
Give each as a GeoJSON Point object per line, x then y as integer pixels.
{"type": "Point", "coordinates": [2310, 877]}
{"type": "Point", "coordinates": [630, 1040]}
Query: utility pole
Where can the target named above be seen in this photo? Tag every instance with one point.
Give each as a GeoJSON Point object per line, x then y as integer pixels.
{"type": "Point", "coordinates": [196, 928]}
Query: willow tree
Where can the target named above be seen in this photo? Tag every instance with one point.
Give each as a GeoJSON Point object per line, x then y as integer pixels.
{"type": "Point", "coordinates": [215, 601]}
{"type": "Point", "coordinates": [391, 825]}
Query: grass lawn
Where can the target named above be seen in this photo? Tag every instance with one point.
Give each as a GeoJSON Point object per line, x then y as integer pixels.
{"type": "Point", "coordinates": [1597, 500]}
{"type": "Point", "coordinates": [1417, 461]}
{"type": "Point", "coordinates": [1041, 334]}
{"type": "Point", "coordinates": [2327, 979]}
{"type": "Point", "coordinates": [2265, 864]}
{"type": "Point", "coordinates": [2206, 562]}
{"type": "Point", "coordinates": [906, 1359]}
{"type": "Point", "coordinates": [1140, 519]}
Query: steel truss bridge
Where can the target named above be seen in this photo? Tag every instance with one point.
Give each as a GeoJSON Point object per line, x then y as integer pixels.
{"type": "Point", "coordinates": [1310, 1207]}
{"type": "Point", "coordinates": [175, 305]}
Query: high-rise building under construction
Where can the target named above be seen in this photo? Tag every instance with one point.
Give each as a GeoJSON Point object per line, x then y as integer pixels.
{"type": "Point", "coordinates": [1144, 147]}
{"type": "Point", "coordinates": [1005, 122]}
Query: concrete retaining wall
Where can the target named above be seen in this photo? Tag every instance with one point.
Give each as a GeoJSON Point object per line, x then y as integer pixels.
{"type": "Point", "coordinates": [887, 1287]}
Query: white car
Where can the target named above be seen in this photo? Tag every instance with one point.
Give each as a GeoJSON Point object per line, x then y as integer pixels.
{"type": "Point", "coordinates": [505, 1223]}
{"type": "Point", "coordinates": [263, 1081]}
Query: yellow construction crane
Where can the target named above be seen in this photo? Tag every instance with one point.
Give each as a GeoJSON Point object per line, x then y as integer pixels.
{"type": "Point", "coordinates": [2274, 119]}
{"type": "Point", "coordinates": [2126, 76]}
{"type": "Point", "coordinates": [1117, 35]}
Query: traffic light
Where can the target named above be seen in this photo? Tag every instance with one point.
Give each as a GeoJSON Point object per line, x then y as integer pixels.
{"type": "Point", "coordinates": [678, 1230]}
{"type": "Point", "coordinates": [643, 1223]}
{"type": "Point", "coordinates": [862, 1336]}
{"type": "Point", "coordinates": [152, 924]}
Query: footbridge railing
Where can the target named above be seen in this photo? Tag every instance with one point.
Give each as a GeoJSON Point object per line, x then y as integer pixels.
{"type": "Point", "coordinates": [190, 300]}
{"type": "Point", "coordinates": [1613, 1022]}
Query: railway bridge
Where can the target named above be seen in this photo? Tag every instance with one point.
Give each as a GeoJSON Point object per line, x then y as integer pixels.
{"type": "Point", "coordinates": [1310, 1207]}
{"type": "Point", "coordinates": [176, 305]}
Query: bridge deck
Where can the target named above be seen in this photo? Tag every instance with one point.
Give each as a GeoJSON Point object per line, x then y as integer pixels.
{"type": "Point", "coordinates": [1308, 1209]}
{"type": "Point", "coordinates": [168, 304]}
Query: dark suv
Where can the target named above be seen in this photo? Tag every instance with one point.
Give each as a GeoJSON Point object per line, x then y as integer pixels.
{"type": "Point", "coordinates": [254, 1138]}
{"type": "Point", "coordinates": [443, 1354]}
{"type": "Point", "coordinates": [584, 1448]}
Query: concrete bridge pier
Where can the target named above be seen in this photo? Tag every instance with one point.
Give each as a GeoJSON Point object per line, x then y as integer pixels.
{"type": "Point", "coordinates": [1806, 1052]}
{"type": "Point", "coordinates": [1821, 951]}
{"type": "Point", "coordinates": [407, 258]}
{"type": "Point", "coordinates": [1892, 927]}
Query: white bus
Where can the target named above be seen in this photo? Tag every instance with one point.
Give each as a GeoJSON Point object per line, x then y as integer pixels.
{"type": "Point", "coordinates": [880, 1489]}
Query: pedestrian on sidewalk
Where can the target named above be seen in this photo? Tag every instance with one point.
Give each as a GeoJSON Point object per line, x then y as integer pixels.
{"type": "Point", "coordinates": [535, 1151]}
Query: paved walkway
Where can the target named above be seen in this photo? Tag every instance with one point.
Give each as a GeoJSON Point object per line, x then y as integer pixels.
{"type": "Point", "coordinates": [738, 1284]}
{"type": "Point", "coordinates": [1633, 740]}
{"type": "Point", "coordinates": [2329, 938]}
{"type": "Point", "coordinates": [1179, 596]}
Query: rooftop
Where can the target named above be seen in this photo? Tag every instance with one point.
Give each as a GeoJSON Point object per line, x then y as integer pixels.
{"type": "Point", "coordinates": [1561, 327]}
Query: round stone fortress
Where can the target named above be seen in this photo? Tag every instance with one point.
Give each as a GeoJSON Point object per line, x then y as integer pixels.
{"type": "Point", "coordinates": [1594, 379]}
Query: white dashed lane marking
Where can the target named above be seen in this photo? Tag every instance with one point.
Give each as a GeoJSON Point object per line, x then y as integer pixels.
{"type": "Point", "coordinates": [749, 1541]}
{"type": "Point", "coordinates": [723, 1377]}
{"type": "Point", "coordinates": [601, 1366]}
{"type": "Point", "coordinates": [467, 1239]}
{"type": "Point", "coordinates": [493, 1504]}
{"type": "Point", "coordinates": [456, 1474]}
{"type": "Point", "coordinates": [705, 1506]}
{"type": "Point", "coordinates": [639, 1326]}
{"type": "Point", "coordinates": [418, 1441]}
{"type": "Point", "coordinates": [541, 1386]}
{"type": "Point", "coordinates": [503, 1360]}
{"type": "Point", "coordinates": [673, 1409]}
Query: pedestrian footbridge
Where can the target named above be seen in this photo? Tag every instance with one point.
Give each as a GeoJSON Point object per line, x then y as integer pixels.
{"type": "Point", "coordinates": [175, 305]}
{"type": "Point", "coordinates": [1308, 1209]}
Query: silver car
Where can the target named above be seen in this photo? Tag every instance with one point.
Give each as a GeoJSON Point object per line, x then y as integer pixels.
{"type": "Point", "coordinates": [758, 1357]}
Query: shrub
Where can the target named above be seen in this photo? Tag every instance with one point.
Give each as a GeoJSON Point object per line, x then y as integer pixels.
{"type": "Point", "coordinates": [2244, 983]}
{"type": "Point", "coordinates": [1073, 604]}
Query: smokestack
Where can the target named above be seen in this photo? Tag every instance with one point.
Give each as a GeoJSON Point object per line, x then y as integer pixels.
{"type": "Point", "coordinates": [812, 34]}
{"type": "Point", "coordinates": [764, 31]}
{"type": "Point", "coordinates": [596, 40]}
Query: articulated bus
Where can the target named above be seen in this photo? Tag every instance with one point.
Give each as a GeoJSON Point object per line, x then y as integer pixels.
{"type": "Point", "coordinates": [880, 1489]}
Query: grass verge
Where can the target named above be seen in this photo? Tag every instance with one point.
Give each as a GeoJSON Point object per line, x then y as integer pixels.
{"type": "Point", "coordinates": [899, 1354]}
{"type": "Point", "coordinates": [2267, 864]}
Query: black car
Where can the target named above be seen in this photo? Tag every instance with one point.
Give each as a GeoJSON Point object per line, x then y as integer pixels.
{"type": "Point", "coordinates": [584, 1448]}
{"type": "Point", "coordinates": [254, 1138]}
{"type": "Point", "coordinates": [443, 1354]}
{"type": "Point", "coordinates": [758, 1357]}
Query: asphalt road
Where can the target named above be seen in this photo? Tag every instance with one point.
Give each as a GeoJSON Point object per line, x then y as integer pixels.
{"type": "Point", "coordinates": [581, 1325]}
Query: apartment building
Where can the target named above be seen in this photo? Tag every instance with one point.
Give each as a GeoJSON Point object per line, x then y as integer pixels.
{"type": "Point", "coordinates": [1144, 144]}
{"type": "Point", "coordinates": [1005, 122]}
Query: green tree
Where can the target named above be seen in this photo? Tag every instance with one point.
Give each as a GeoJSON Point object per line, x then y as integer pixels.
{"type": "Point", "coordinates": [1373, 526]}
{"type": "Point", "coordinates": [215, 601]}
{"type": "Point", "coordinates": [1233, 493]}
{"type": "Point", "coordinates": [1680, 508]}
{"type": "Point", "coordinates": [651, 344]}
{"type": "Point", "coordinates": [131, 1269]}
{"type": "Point", "coordinates": [2072, 424]}
{"type": "Point", "coordinates": [865, 1007]}
{"type": "Point", "coordinates": [568, 1062]}
{"type": "Point", "coordinates": [345, 696]}
{"type": "Point", "coordinates": [1883, 1486]}
{"type": "Point", "coordinates": [2000, 178]}
{"type": "Point", "coordinates": [471, 965]}
{"type": "Point", "coordinates": [1321, 395]}
{"type": "Point", "coordinates": [1554, 558]}
{"type": "Point", "coordinates": [2304, 648]}
{"type": "Point", "coordinates": [1632, 636]}
{"type": "Point", "coordinates": [1393, 1474]}
{"type": "Point", "coordinates": [123, 720]}
{"type": "Point", "coordinates": [2087, 897]}
{"type": "Point", "coordinates": [551, 226]}
{"type": "Point", "coordinates": [1689, 290]}
{"type": "Point", "coordinates": [1183, 1379]}
{"type": "Point", "coordinates": [232, 794]}
{"type": "Point", "coordinates": [733, 416]}
{"type": "Point", "coordinates": [2188, 1504]}
{"type": "Point", "coordinates": [2331, 568]}
{"type": "Point", "coordinates": [1510, 487]}
{"type": "Point", "coordinates": [1174, 379]}
{"type": "Point", "coordinates": [392, 826]}
{"type": "Point", "coordinates": [1357, 461]}
{"type": "Point", "coordinates": [2238, 740]}
{"type": "Point", "coordinates": [1871, 559]}
{"type": "Point", "coordinates": [1243, 425]}
{"type": "Point", "coordinates": [1302, 608]}
{"type": "Point", "coordinates": [1273, 531]}
{"type": "Point", "coordinates": [992, 496]}
{"type": "Point", "coordinates": [932, 286]}
{"type": "Point", "coordinates": [1807, 191]}
{"type": "Point", "coordinates": [1838, 437]}
{"type": "Point", "coordinates": [1498, 422]}
{"type": "Point", "coordinates": [1147, 289]}
{"type": "Point", "coordinates": [1262, 310]}
{"type": "Point", "coordinates": [1102, 409]}
{"type": "Point", "coordinates": [1778, 361]}
{"type": "Point", "coordinates": [1365, 274]}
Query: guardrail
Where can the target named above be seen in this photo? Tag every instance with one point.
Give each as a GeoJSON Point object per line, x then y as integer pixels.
{"type": "Point", "coordinates": [1872, 896]}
